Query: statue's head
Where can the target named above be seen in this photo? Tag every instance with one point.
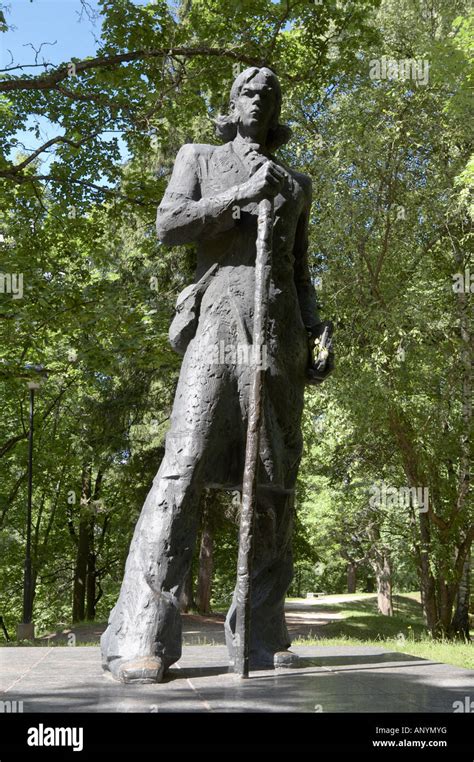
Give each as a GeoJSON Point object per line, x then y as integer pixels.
{"type": "Point", "coordinates": [255, 104]}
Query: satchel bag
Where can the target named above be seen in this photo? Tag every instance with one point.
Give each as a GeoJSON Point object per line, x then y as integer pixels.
{"type": "Point", "coordinates": [188, 305]}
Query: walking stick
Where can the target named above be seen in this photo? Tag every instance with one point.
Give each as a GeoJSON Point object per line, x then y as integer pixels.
{"type": "Point", "coordinates": [255, 411]}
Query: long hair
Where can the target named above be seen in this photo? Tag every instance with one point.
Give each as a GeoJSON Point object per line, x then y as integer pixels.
{"type": "Point", "coordinates": [226, 124]}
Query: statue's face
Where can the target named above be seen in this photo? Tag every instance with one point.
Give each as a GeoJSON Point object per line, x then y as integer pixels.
{"type": "Point", "coordinates": [255, 108]}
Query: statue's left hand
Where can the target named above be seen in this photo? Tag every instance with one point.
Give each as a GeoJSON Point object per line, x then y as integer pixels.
{"type": "Point", "coordinates": [321, 355]}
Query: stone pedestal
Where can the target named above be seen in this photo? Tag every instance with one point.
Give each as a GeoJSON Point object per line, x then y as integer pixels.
{"type": "Point", "coordinates": [25, 631]}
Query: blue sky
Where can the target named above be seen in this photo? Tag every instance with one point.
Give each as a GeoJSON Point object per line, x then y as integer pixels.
{"type": "Point", "coordinates": [52, 21]}
{"type": "Point", "coordinates": [46, 21]}
{"type": "Point", "coordinates": [57, 32]}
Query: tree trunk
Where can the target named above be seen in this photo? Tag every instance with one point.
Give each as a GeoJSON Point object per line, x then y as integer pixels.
{"type": "Point", "coordinates": [404, 437]}
{"type": "Point", "coordinates": [186, 600]}
{"type": "Point", "coordinates": [206, 562]}
{"type": "Point", "coordinates": [80, 571]}
{"type": "Point", "coordinates": [382, 566]}
{"type": "Point", "coordinates": [460, 622]}
{"type": "Point", "coordinates": [383, 570]}
{"type": "Point", "coordinates": [369, 585]}
{"type": "Point", "coordinates": [351, 577]}
{"type": "Point", "coordinates": [298, 582]}
{"type": "Point", "coordinates": [82, 555]}
{"type": "Point", "coordinates": [91, 578]}
{"type": "Point", "coordinates": [428, 587]}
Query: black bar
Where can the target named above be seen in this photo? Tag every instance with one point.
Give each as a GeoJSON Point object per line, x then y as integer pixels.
{"type": "Point", "coordinates": [443, 734]}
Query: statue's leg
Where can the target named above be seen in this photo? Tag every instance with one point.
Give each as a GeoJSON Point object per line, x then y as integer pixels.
{"type": "Point", "coordinates": [271, 576]}
{"type": "Point", "coordinates": [144, 632]}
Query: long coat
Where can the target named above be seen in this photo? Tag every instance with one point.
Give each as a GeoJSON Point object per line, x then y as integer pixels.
{"type": "Point", "coordinates": [209, 419]}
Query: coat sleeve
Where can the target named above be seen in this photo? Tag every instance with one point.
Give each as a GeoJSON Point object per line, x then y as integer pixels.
{"type": "Point", "coordinates": [306, 293]}
{"type": "Point", "coordinates": [183, 215]}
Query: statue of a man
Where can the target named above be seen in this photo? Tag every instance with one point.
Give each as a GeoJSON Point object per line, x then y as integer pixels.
{"type": "Point", "coordinates": [212, 201]}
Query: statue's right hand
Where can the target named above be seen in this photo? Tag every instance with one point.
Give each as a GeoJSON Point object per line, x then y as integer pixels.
{"type": "Point", "coordinates": [265, 183]}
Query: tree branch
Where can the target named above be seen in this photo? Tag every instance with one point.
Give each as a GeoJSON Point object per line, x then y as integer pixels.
{"type": "Point", "coordinates": [49, 81]}
{"type": "Point", "coordinates": [14, 169]}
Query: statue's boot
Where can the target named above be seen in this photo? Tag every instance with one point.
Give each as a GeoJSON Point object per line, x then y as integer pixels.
{"type": "Point", "coordinates": [147, 670]}
{"type": "Point", "coordinates": [139, 671]}
{"type": "Point", "coordinates": [286, 660]}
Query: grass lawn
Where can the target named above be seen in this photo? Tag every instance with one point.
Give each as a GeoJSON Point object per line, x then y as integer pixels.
{"type": "Point", "coordinates": [361, 623]}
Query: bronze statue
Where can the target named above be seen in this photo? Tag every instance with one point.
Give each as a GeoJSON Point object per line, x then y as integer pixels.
{"type": "Point", "coordinates": [212, 200]}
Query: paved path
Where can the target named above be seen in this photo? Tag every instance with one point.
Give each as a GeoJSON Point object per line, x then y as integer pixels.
{"type": "Point", "coordinates": [303, 619]}
{"type": "Point", "coordinates": [331, 679]}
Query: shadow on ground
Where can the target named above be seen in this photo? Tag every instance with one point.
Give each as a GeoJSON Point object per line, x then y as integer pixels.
{"type": "Point", "coordinates": [330, 679]}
